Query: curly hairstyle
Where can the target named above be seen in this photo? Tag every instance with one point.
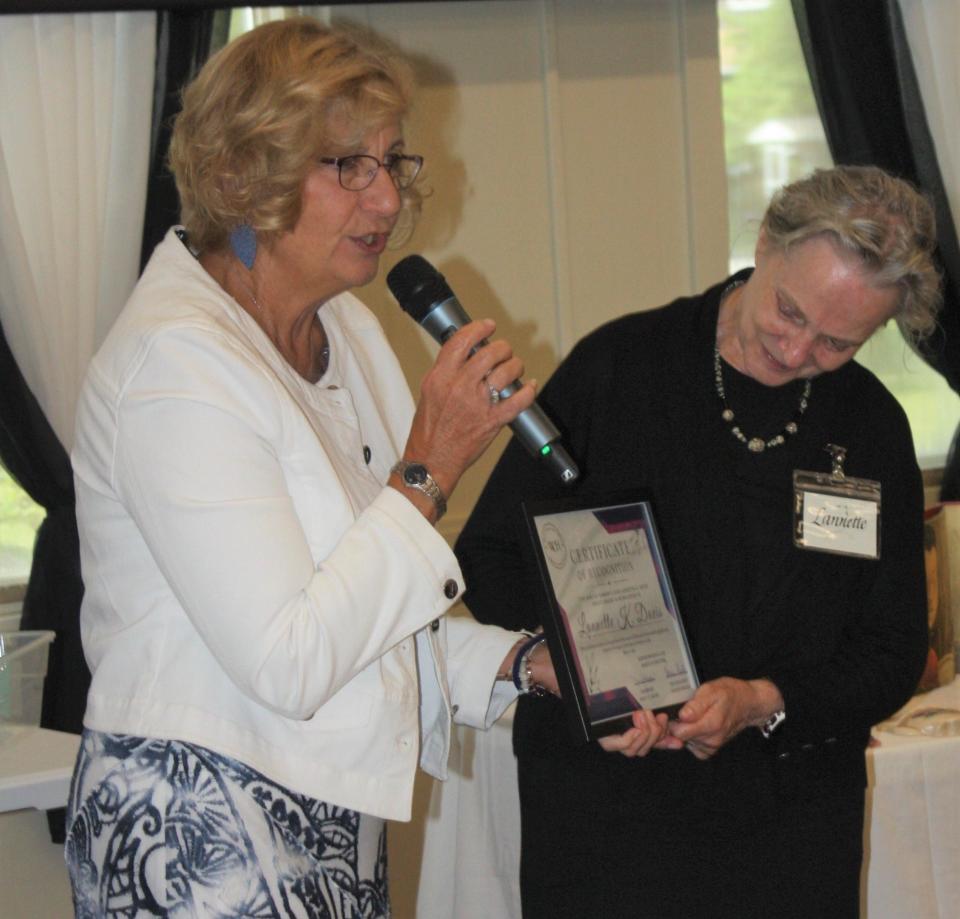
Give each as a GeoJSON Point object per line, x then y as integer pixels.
{"type": "Point", "coordinates": [260, 111]}
{"type": "Point", "coordinates": [881, 219]}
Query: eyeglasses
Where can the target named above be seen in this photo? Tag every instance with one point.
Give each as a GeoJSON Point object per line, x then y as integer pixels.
{"type": "Point", "coordinates": [357, 171]}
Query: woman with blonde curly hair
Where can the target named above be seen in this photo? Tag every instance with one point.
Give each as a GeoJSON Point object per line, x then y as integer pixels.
{"type": "Point", "coordinates": [257, 493]}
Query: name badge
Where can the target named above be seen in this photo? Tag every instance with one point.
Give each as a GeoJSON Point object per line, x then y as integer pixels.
{"type": "Point", "coordinates": [836, 513]}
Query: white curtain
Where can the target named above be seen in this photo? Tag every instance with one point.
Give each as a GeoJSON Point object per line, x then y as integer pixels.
{"type": "Point", "coordinates": [75, 109]}
{"type": "Point", "coordinates": [933, 32]}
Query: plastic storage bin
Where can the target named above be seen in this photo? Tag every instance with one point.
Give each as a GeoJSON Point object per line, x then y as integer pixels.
{"type": "Point", "coordinates": [10, 617]}
{"type": "Point", "coordinates": [23, 666]}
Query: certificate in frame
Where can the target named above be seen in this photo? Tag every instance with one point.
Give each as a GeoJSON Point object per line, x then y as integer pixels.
{"type": "Point", "coordinates": [609, 612]}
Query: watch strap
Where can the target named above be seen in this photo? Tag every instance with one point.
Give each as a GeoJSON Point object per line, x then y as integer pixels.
{"type": "Point", "coordinates": [773, 722]}
{"type": "Point", "coordinates": [424, 483]}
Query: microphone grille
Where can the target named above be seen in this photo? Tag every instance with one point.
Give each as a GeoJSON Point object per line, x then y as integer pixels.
{"type": "Point", "coordinates": [417, 286]}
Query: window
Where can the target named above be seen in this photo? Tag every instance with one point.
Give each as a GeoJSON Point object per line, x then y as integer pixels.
{"type": "Point", "coordinates": [774, 135]}
{"type": "Point", "coordinates": [20, 519]}
{"type": "Point", "coordinates": [242, 19]}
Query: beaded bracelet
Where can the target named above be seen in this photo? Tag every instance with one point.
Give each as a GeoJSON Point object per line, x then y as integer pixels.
{"type": "Point", "coordinates": [522, 675]}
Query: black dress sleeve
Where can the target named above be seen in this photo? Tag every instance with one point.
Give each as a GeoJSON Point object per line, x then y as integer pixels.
{"type": "Point", "coordinates": [492, 548]}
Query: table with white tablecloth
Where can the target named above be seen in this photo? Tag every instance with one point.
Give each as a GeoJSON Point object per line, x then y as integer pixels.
{"type": "Point", "coordinates": [471, 837]}
{"type": "Point", "coordinates": [35, 766]}
{"type": "Point", "coordinates": [912, 835]}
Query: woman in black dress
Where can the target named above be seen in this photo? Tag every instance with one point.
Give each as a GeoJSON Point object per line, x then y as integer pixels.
{"type": "Point", "coordinates": [752, 805]}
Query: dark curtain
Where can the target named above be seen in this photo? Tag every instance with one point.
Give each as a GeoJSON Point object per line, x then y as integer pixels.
{"type": "Point", "coordinates": [866, 89]}
{"type": "Point", "coordinates": [185, 38]}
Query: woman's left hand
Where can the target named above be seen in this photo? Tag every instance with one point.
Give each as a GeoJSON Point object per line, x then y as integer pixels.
{"type": "Point", "coordinates": [719, 710]}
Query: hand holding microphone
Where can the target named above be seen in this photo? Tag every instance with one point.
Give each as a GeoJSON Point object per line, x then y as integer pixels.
{"type": "Point", "coordinates": [425, 296]}
{"type": "Point", "coordinates": [456, 419]}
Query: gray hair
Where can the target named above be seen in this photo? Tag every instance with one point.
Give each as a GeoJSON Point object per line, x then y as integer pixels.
{"type": "Point", "coordinates": [883, 220]}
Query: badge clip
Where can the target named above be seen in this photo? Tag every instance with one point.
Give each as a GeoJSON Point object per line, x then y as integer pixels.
{"type": "Point", "coordinates": [834, 512]}
{"type": "Point", "coordinates": [837, 455]}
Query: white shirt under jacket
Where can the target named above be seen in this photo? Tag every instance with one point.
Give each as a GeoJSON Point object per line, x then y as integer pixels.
{"type": "Point", "coordinates": [252, 585]}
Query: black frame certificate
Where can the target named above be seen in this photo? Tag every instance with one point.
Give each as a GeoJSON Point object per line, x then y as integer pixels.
{"type": "Point", "coordinates": [610, 612]}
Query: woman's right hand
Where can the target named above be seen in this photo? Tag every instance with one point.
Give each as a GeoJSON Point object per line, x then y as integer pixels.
{"type": "Point", "coordinates": [648, 731]}
{"type": "Point", "coordinates": [456, 420]}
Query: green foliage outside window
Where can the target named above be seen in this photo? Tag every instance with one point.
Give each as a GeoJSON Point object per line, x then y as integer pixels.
{"type": "Point", "coordinates": [19, 520]}
{"type": "Point", "coordinates": [772, 130]}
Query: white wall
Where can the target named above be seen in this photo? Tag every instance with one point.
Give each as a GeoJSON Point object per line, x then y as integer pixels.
{"type": "Point", "coordinates": [575, 153]}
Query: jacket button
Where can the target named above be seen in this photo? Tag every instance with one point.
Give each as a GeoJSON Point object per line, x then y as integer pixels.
{"type": "Point", "coordinates": [367, 454]}
{"type": "Point", "coordinates": [450, 589]}
{"type": "Point", "coordinates": [454, 709]}
{"type": "Point", "coordinates": [435, 625]}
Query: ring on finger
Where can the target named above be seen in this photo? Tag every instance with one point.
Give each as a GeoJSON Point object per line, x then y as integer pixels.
{"type": "Point", "coordinates": [494, 395]}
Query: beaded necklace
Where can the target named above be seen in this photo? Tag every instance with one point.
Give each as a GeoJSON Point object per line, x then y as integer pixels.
{"type": "Point", "coordinates": [754, 444]}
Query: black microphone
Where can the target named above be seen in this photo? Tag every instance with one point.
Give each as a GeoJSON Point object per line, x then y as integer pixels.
{"type": "Point", "coordinates": [424, 295]}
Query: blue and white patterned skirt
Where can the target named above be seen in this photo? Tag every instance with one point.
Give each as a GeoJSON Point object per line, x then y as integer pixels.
{"type": "Point", "coordinates": [165, 828]}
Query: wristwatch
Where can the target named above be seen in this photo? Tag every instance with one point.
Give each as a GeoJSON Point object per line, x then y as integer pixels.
{"type": "Point", "coordinates": [415, 475]}
{"type": "Point", "coordinates": [773, 722]}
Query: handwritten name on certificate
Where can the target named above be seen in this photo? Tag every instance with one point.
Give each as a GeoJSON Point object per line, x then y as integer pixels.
{"type": "Point", "coordinates": [609, 584]}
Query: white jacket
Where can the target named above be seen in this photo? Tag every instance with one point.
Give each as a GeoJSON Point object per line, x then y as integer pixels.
{"type": "Point", "coordinates": [251, 583]}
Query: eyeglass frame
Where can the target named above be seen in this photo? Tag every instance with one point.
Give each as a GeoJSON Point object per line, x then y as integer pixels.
{"type": "Point", "coordinates": [387, 162]}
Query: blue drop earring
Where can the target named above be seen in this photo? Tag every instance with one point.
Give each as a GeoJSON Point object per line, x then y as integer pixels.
{"type": "Point", "coordinates": [243, 242]}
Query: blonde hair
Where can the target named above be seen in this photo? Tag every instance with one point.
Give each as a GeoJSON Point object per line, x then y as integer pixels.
{"type": "Point", "coordinates": [881, 219]}
{"type": "Point", "coordinates": [263, 108]}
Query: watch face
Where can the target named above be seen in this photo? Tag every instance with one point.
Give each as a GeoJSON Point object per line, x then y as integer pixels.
{"type": "Point", "coordinates": [415, 474]}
